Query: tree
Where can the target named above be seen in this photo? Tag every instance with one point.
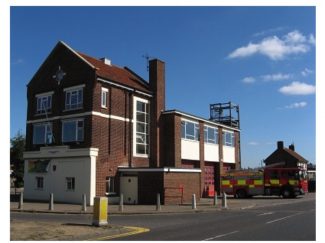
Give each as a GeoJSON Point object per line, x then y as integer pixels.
{"type": "Point", "coordinates": [17, 148]}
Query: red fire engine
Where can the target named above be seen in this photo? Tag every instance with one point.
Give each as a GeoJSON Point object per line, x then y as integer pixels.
{"type": "Point", "coordinates": [288, 182]}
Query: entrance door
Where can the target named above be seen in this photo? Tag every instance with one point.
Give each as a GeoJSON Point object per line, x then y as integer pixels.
{"type": "Point", "coordinates": [129, 189]}
{"type": "Point", "coordinates": [209, 173]}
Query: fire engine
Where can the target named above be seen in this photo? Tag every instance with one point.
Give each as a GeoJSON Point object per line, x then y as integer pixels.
{"type": "Point", "coordinates": [286, 182]}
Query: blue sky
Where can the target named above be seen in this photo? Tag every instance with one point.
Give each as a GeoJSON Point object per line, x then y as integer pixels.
{"type": "Point", "coordinates": [262, 58]}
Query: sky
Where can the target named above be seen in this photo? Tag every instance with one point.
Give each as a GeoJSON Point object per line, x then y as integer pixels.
{"type": "Point", "coordinates": [261, 58]}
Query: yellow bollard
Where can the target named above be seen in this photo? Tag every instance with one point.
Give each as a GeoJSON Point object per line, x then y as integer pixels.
{"type": "Point", "coordinates": [100, 211]}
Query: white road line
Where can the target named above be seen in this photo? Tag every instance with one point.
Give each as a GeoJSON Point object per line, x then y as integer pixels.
{"type": "Point", "coordinates": [219, 236]}
{"type": "Point", "coordinates": [267, 213]}
{"type": "Point", "coordinates": [276, 220]}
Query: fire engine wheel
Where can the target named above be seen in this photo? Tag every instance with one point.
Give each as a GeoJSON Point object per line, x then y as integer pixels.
{"type": "Point", "coordinates": [286, 192]}
{"type": "Point", "coordinates": [241, 193]}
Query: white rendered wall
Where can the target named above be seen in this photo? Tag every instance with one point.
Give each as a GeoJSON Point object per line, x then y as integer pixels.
{"type": "Point", "coordinates": [228, 154]}
{"type": "Point", "coordinates": [211, 152]}
{"type": "Point", "coordinates": [190, 149]}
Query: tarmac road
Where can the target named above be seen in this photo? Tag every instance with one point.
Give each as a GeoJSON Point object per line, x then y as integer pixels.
{"type": "Point", "coordinates": [290, 221]}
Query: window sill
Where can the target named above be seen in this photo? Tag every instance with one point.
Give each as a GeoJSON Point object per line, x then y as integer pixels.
{"type": "Point", "coordinates": [43, 113]}
{"type": "Point", "coordinates": [190, 140]}
{"type": "Point", "coordinates": [74, 109]}
{"type": "Point", "coordinates": [145, 156]}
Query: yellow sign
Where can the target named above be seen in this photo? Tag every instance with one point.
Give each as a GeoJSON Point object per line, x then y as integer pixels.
{"type": "Point", "coordinates": [100, 211]}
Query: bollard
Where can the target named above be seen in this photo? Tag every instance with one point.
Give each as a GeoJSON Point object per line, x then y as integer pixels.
{"type": "Point", "coordinates": [100, 211]}
{"type": "Point", "coordinates": [84, 203]}
{"type": "Point", "coordinates": [51, 203]}
{"type": "Point", "coordinates": [158, 206]}
{"type": "Point", "coordinates": [193, 202]}
{"type": "Point", "coordinates": [224, 201]}
{"type": "Point", "coordinates": [21, 201]}
{"type": "Point", "coordinates": [215, 201]}
{"type": "Point", "coordinates": [121, 203]}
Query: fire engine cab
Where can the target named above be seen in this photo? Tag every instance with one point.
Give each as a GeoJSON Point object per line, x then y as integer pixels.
{"type": "Point", "coordinates": [286, 182]}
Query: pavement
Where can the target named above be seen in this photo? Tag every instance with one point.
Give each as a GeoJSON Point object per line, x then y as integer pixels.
{"type": "Point", "coordinates": [114, 231]}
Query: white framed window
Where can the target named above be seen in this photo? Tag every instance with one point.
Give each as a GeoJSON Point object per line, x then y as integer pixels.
{"type": "Point", "coordinates": [70, 183]}
{"type": "Point", "coordinates": [39, 182]}
{"type": "Point", "coordinates": [210, 134]}
{"type": "Point", "coordinates": [44, 103]}
{"type": "Point", "coordinates": [228, 138]}
{"type": "Point", "coordinates": [74, 97]}
{"type": "Point", "coordinates": [141, 127]}
{"type": "Point", "coordinates": [104, 96]}
{"type": "Point", "coordinates": [73, 130]}
{"type": "Point", "coordinates": [190, 130]}
{"type": "Point", "coordinates": [42, 133]}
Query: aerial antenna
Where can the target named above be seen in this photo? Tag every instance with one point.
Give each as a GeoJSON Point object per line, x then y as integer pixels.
{"type": "Point", "coordinates": [147, 57]}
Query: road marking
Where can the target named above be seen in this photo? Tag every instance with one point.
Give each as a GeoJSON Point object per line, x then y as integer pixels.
{"type": "Point", "coordinates": [267, 213]}
{"type": "Point", "coordinates": [276, 220]}
{"type": "Point", "coordinates": [135, 230]}
{"type": "Point", "coordinates": [219, 236]}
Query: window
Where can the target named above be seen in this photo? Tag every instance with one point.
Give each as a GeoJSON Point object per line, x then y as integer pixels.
{"type": "Point", "coordinates": [73, 130]}
{"type": "Point", "coordinates": [104, 97]}
{"type": "Point", "coordinates": [141, 109]}
{"type": "Point", "coordinates": [190, 130]}
{"type": "Point", "coordinates": [39, 183]}
{"type": "Point", "coordinates": [70, 182]}
{"type": "Point", "coordinates": [210, 135]}
{"type": "Point", "coordinates": [44, 103]}
{"type": "Point", "coordinates": [110, 185]}
{"type": "Point", "coordinates": [42, 133]}
{"type": "Point", "coordinates": [228, 139]}
{"type": "Point", "coordinates": [73, 98]}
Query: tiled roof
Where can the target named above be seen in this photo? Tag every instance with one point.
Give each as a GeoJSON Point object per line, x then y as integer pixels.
{"type": "Point", "coordinates": [295, 155]}
{"type": "Point", "coordinates": [117, 74]}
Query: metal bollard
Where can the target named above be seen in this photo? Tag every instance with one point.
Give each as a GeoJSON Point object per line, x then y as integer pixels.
{"type": "Point", "coordinates": [21, 201]}
{"type": "Point", "coordinates": [224, 201]}
{"type": "Point", "coordinates": [158, 206]}
{"type": "Point", "coordinates": [84, 203]}
{"type": "Point", "coordinates": [51, 203]}
{"type": "Point", "coordinates": [215, 201]}
{"type": "Point", "coordinates": [121, 203]}
{"type": "Point", "coordinates": [193, 202]}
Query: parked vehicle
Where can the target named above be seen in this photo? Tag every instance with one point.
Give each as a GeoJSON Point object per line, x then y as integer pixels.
{"type": "Point", "coordinates": [286, 182]}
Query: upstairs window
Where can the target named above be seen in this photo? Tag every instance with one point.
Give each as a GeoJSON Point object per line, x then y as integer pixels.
{"type": "Point", "coordinates": [141, 127]}
{"type": "Point", "coordinates": [74, 97]}
{"type": "Point", "coordinates": [228, 139]}
{"type": "Point", "coordinates": [73, 130]}
{"type": "Point", "coordinates": [44, 103]}
{"type": "Point", "coordinates": [190, 130]}
{"type": "Point", "coordinates": [210, 135]}
{"type": "Point", "coordinates": [104, 95]}
{"type": "Point", "coordinates": [42, 133]}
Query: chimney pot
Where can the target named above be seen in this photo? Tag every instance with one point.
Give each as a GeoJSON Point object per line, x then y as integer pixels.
{"type": "Point", "coordinates": [292, 147]}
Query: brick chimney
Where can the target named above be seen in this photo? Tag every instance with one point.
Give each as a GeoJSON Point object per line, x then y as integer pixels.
{"type": "Point", "coordinates": [157, 86]}
{"type": "Point", "coordinates": [280, 145]}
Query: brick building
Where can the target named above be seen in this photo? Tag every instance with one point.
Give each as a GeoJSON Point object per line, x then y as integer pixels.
{"type": "Point", "coordinates": [99, 129]}
{"type": "Point", "coordinates": [286, 157]}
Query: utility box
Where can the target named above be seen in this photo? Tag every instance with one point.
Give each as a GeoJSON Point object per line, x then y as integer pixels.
{"type": "Point", "coordinates": [129, 189]}
{"type": "Point", "coordinates": [100, 211]}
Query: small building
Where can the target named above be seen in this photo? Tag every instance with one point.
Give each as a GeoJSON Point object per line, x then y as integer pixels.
{"type": "Point", "coordinates": [286, 157]}
{"type": "Point", "coordinates": [98, 129]}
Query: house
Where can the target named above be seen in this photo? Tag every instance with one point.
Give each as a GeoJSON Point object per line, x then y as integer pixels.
{"type": "Point", "coordinates": [98, 129]}
{"type": "Point", "coordinates": [286, 157]}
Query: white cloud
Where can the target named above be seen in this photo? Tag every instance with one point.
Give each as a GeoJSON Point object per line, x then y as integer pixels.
{"type": "Point", "coordinates": [274, 47]}
{"type": "Point", "coordinates": [276, 77]}
{"type": "Point", "coordinates": [311, 39]}
{"type": "Point", "coordinates": [296, 105]}
{"type": "Point", "coordinates": [253, 143]}
{"type": "Point", "coordinates": [298, 88]}
{"type": "Point", "coordinates": [306, 72]}
{"type": "Point", "coordinates": [249, 80]}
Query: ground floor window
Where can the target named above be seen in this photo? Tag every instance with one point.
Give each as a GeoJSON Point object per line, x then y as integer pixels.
{"type": "Point", "coordinates": [70, 182]}
{"type": "Point", "coordinates": [39, 183]}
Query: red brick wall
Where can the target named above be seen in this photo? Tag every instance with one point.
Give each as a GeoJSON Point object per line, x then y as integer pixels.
{"type": "Point", "coordinates": [190, 183]}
